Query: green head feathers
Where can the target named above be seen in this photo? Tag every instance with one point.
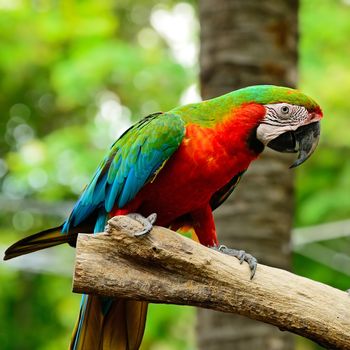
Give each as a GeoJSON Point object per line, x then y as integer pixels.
{"type": "Point", "coordinates": [208, 113]}
{"type": "Point", "coordinates": [268, 94]}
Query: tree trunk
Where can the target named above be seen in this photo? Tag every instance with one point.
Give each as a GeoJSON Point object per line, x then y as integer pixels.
{"type": "Point", "coordinates": [249, 42]}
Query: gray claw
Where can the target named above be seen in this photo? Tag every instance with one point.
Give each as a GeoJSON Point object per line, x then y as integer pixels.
{"type": "Point", "coordinates": [241, 255]}
{"type": "Point", "coordinates": [146, 222]}
{"type": "Point", "coordinates": [152, 218]}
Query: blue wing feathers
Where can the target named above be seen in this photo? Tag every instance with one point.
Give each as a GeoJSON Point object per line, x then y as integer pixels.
{"type": "Point", "coordinates": [128, 191]}
{"type": "Point", "coordinates": [133, 160]}
{"type": "Point", "coordinates": [112, 193]}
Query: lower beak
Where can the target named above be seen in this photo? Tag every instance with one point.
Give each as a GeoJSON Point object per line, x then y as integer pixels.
{"type": "Point", "coordinates": [304, 140]}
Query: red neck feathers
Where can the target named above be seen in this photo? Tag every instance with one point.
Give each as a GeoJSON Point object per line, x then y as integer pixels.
{"type": "Point", "coordinates": [237, 130]}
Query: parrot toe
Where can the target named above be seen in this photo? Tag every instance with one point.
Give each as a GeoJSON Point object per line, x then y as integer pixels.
{"type": "Point", "coordinates": [241, 255]}
{"type": "Point", "coordinates": [146, 222]}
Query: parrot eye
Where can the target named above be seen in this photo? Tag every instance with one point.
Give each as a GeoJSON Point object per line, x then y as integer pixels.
{"type": "Point", "coordinates": [285, 109]}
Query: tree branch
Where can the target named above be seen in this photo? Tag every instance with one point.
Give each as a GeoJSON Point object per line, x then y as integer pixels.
{"type": "Point", "coordinates": [165, 267]}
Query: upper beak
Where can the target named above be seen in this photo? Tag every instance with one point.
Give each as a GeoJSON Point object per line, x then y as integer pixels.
{"type": "Point", "coordinates": [304, 140]}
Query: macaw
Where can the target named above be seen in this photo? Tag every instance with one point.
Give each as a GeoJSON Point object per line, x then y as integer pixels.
{"type": "Point", "coordinates": [181, 165]}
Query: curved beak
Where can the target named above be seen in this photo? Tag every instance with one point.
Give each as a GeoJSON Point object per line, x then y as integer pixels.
{"type": "Point", "coordinates": [304, 140]}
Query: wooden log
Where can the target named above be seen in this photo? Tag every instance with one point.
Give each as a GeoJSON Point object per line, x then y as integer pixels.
{"type": "Point", "coordinates": [165, 267]}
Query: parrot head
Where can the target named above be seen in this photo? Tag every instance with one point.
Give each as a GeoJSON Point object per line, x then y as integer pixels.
{"type": "Point", "coordinates": [291, 122]}
{"type": "Point", "coordinates": [290, 128]}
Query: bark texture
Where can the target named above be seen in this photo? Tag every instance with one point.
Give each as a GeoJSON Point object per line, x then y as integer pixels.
{"type": "Point", "coordinates": [248, 42]}
{"type": "Point", "coordinates": [164, 266]}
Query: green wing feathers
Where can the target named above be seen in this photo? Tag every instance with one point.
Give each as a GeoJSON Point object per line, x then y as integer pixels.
{"type": "Point", "coordinates": [132, 161]}
{"type": "Point", "coordinates": [137, 157]}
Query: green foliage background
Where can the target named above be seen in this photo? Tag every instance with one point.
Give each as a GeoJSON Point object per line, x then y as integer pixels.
{"type": "Point", "coordinates": [62, 65]}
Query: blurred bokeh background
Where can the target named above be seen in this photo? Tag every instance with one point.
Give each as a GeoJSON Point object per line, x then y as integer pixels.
{"type": "Point", "coordinates": [73, 76]}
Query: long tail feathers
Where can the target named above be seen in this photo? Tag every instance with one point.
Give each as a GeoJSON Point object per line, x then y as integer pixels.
{"type": "Point", "coordinates": [103, 324]}
{"type": "Point", "coordinates": [38, 241]}
{"type": "Point", "coordinates": [106, 324]}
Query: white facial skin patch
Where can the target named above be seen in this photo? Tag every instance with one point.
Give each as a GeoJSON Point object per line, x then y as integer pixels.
{"type": "Point", "coordinates": [281, 118]}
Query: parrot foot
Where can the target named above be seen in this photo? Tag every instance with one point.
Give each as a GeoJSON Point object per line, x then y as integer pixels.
{"type": "Point", "coordinates": [146, 222]}
{"type": "Point", "coordinates": [241, 255]}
